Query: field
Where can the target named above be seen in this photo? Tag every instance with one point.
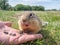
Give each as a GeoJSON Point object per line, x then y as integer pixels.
{"type": "Point", "coordinates": [51, 33]}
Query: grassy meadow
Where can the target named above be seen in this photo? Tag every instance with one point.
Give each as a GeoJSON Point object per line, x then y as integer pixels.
{"type": "Point", "coordinates": [51, 33]}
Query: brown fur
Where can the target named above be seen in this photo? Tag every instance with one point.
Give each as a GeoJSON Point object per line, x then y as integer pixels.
{"type": "Point", "coordinates": [32, 20]}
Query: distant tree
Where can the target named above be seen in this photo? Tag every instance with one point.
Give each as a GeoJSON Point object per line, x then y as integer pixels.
{"type": "Point", "coordinates": [34, 8]}
{"type": "Point", "coordinates": [38, 8]}
{"type": "Point", "coordinates": [27, 7]}
{"type": "Point", "coordinates": [41, 8]}
{"type": "Point", "coordinates": [22, 7]}
{"type": "Point", "coordinates": [54, 9]}
{"type": "Point", "coordinates": [51, 10]}
{"type": "Point", "coordinates": [4, 5]}
{"type": "Point", "coordinates": [19, 7]}
{"type": "Point", "coordinates": [9, 7]}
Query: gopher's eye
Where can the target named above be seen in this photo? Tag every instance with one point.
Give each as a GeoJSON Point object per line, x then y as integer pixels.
{"type": "Point", "coordinates": [31, 14]}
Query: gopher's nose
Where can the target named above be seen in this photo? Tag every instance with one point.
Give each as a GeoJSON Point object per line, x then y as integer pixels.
{"type": "Point", "coordinates": [24, 20]}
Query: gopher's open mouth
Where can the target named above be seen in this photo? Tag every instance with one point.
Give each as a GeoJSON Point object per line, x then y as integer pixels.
{"type": "Point", "coordinates": [26, 25]}
{"type": "Point", "coordinates": [27, 31]}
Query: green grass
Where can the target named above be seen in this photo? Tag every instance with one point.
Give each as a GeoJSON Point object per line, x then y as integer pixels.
{"type": "Point", "coordinates": [51, 33]}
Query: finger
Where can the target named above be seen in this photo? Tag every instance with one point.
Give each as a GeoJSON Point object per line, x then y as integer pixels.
{"type": "Point", "coordinates": [27, 37]}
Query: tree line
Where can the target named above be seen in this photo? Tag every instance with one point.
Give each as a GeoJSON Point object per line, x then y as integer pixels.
{"type": "Point", "coordinates": [30, 8]}
{"type": "Point", "coordinates": [4, 5]}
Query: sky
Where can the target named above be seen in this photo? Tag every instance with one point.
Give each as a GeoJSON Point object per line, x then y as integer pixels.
{"type": "Point", "coordinates": [48, 4]}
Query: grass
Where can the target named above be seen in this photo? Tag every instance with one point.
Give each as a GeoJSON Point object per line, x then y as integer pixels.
{"type": "Point", "coordinates": [51, 32]}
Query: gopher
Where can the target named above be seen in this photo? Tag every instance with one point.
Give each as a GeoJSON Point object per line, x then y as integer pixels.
{"type": "Point", "coordinates": [29, 23]}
